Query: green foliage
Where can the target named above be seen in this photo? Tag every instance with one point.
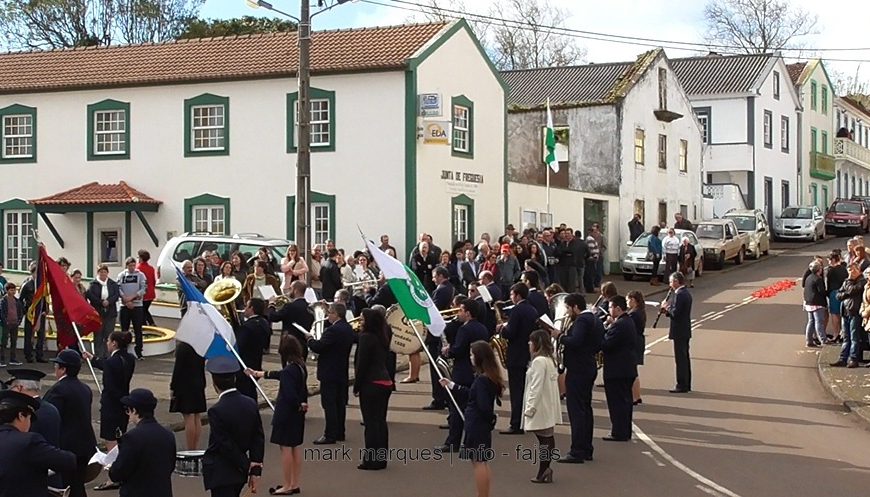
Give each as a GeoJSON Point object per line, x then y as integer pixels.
{"type": "Point", "coordinates": [207, 28]}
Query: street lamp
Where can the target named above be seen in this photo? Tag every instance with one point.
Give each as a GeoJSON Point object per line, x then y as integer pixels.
{"type": "Point", "coordinates": [303, 138]}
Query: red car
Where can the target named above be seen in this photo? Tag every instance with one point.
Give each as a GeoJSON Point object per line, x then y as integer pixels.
{"type": "Point", "coordinates": [847, 217]}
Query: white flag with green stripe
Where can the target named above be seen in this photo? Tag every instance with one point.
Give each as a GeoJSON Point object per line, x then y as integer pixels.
{"type": "Point", "coordinates": [409, 291]}
{"type": "Point", "coordinates": [550, 142]}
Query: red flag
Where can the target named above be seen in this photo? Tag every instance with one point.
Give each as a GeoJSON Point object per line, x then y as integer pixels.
{"type": "Point", "coordinates": [68, 305]}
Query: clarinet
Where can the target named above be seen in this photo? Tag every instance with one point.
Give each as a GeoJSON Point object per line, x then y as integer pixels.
{"type": "Point", "coordinates": [662, 311]}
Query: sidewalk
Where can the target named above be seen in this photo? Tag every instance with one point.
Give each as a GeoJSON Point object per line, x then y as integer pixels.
{"type": "Point", "coordinates": [848, 386]}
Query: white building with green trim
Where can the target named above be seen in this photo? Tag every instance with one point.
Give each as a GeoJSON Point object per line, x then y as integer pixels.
{"type": "Point", "coordinates": [408, 136]}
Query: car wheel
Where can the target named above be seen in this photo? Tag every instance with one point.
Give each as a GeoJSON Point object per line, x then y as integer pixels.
{"type": "Point", "coordinates": [740, 256]}
{"type": "Point", "coordinates": [627, 276]}
{"type": "Point", "coordinates": [721, 262]}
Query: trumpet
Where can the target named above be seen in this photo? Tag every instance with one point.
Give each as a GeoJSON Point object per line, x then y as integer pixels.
{"type": "Point", "coordinates": [222, 294]}
{"type": "Point", "coordinates": [358, 283]}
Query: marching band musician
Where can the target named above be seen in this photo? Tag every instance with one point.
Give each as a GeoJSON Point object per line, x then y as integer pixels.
{"type": "Point", "coordinates": [373, 386]}
{"type": "Point", "coordinates": [295, 311]}
{"type": "Point", "coordinates": [581, 344]}
{"type": "Point", "coordinates": [459, 349]}
{"type": "Point", "coordinates": [620, 369]}
{"type": "Point", "coordinates": [487, 313]}
{"type": "Point", "coordinates": [47, 420]}
{"type": "Point", "coordinates": [536, 297]}
{"type": "Point", "coordinates": [236, 442]}
{"type": "Point", "coordinates": [442, 297]}
{"type": "Point", "coordinates": [146, 453]}
{"type": "Point", "coordinates": [521, 323]}
{"type": "Point", "coordinates": [487, 280]}
{"type": "Point", "coordinates": [251, 338]}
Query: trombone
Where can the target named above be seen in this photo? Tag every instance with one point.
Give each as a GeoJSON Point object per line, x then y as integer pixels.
{"type": "Point", "coordinates": [359, 283]}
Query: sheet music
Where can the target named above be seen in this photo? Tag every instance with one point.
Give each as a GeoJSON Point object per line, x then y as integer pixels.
{"type": "Point", "coordinates": [267, 292]}
{"type": "Point", "coordinates": [547, 321]}
{"type": "Point", "coordinates": [103, 458]}
{"type": "Point", "coordinates": [484, 292]}
{"type": "Point", "coordinates": [310, 296]}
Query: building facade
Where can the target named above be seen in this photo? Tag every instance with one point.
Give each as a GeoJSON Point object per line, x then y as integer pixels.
{"type": "Point", "coordinates": [852, 147]}
{"type": "Point", "coordinates": [750, 115]}
{"type": "Point", "coordinates": [818, 172]}
{"type": "Point", "coordinates": [628, 142]}
{"type": "Point", "coordinates": [206, 130]}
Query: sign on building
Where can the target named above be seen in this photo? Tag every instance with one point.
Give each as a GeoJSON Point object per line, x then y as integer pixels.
{"type": "Point", "coordinates": [430, 104]}
{"type": "Point", "coordinates": [436, 133]}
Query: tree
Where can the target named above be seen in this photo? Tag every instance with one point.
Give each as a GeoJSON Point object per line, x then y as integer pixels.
{"type": "Point", "coordinates": [46, 24]}
{"type": "Point", "coordinates": [201, 28]}
{"type": "Point", "coordinates": [757, 26]}
{"type": "Point", "coordinates": [846, 84]}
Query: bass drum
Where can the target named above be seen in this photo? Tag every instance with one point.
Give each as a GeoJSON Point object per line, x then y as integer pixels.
{"type": "Point", "coordinates": [404, 341]}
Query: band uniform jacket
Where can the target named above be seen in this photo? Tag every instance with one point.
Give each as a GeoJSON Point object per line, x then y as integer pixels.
{"type": "Point", "coordinates": [384, 296]}
{"type": "Point", "coordinates": [581, 343]}
{"type": "Point", "coordinates": [522, 321]}
{"type": "Point", "coordinates": [294, 312]}
{"type": "Point", "coordinates": [538, 301]}
{"type": "Point", "coordinates": [494, 292]}
{"type": "Point", "coordinates": [334, 349]}
{"type": "Point", "coordinates": [620, 341]}
{"type": "Point", "coordinates": [117, 372]}
{"type": "Point", "coordinates": [47, 423]}
{"type": "Point", "coordinates": [460, 351]}
{"type": "Point", "coordinates": [371, 361]}
{"type": "Point", "coordinates": [251, 338]}
{"type": "Point", "coordinates": [73, 399]}
{"type": "Point", "coordinates": [442, 297]}
{"type": "Point", "coordinates": [25, 459]}
{"type": "Point", "coordinates": [330, 277]}
{"type": "Point", "coordinates": [235, 440]}
{"type": "Point", "coordinates": [146, 460]}
{"type": "Point", "coordinates": [680, 314]}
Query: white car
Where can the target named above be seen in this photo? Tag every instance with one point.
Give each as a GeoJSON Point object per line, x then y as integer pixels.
{"type": "Point", "coordinates": [753, 223]}
{"type": "Point", "coordinates": [804, 222]}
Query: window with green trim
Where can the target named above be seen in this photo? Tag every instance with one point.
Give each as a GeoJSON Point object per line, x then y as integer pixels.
{"type": "Point", "coordinates": [109, 130]}
{"type": "Point", "coordinates": [813, 95]}
{"type": "Point", "coordinates": [18, 134]}
{"type": "Point", "coordinates": [322, 120]}
{"type": "Point", "coordinates": [463, 127]}
{"type": "Point", "coordinates": [207, 213]}
{"type": "Point", "coordinates": [207, 125]}
{"type": "Point", "coordinates": [322, 217]}
{"type": "Point", "coordinates": [824, 99]}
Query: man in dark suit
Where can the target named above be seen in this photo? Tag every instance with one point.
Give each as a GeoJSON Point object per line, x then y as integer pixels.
{"type": "Point", "coordinates": [330, 276]}
{"type": "Point", "coordinates": [251, 338]}
{"type": "Point", "coordinates": [442, 297]}
{"type": "Point", "coordinates": [468, 268]}
{"type": "Point", "coordinates": [72, 398]}
{"type": "Point", "coordinates": [459, 349]}
{"type": "Point", "coordinates": [332, 371]}
{"type": "Point", "coordinates": [680, 312]}
{"type": "Point", "coordinates": [383, 296]}
{"type": "Point", "coordinates": [620, 369]}
{"type": "Point", "coordinates": [296, 311]}
{"type": "Point", "coordinates": [488, 281]}
{"type": "Point", "coordinates": [521, 323]}
{"type": "Point", "coordinates": [580, 345]}
{"type": "Point", "coordinates": [487, 314]}
{"type": "Point", "coordinates": [536, 297]}
{"type": "Point", "coordinates": [236, 442]}
{"type": "Point", "coordinates": [146, 454]}
{"type": "Point", "coordinates": [27, 293]}
{"type": "Point", "coordinates": [25, 456]}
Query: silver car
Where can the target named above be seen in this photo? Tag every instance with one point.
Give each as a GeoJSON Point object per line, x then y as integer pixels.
{"type": "Point", "coordinates": [635, 262]}
{"type": "Point", "coordinates": [804, 222]}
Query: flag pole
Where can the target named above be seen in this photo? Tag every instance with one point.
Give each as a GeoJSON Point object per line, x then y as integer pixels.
{"type": "Point", "coordinates": [548, 189]}
{"type": "Point", "coordinates": [432, 362]}
{"type": "Point", "coordinates": [83, 349]}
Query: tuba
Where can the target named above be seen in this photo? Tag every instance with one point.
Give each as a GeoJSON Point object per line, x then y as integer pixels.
{"type": "Point", "coordinates": [222, 294]}
{"type": "Point", "coordinates": [563, 321]}
{"type": "Point", "coordinates": [499, 345]}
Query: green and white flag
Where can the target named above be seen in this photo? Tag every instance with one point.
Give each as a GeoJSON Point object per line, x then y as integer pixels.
{"type": "Point", "coordinates": [550, 142]}
{"type": "Point", "coordinates": [409, 291]}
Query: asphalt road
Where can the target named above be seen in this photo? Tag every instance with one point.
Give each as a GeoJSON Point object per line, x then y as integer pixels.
{"type": "Point", "coordinates": [758, 422]}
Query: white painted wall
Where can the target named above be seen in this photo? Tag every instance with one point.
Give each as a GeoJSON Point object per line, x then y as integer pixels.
{"type": "Point", "coordinates": [823, 121]}
{"type": "Point", "coordinates": [728, 118]}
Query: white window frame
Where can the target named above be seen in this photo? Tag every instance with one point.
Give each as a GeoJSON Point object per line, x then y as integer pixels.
{"type": "Point", "coordinates": [768, 129]}
{"type": "Point", "coordinates": [663, 152]}
{"type": "Point", "coordinates": [119, 256]}
{"type": "Point", "coordinates": [704, 121]}
{"type": "Point", "coordinates": [18, 249]}
{"type": "Point", "coordinates": [210, 220]}
{"type": "Point", "coordinates": [776, 85]}
{"type": "Point", "coordinates": [460, 221]}
{"type": "Point", "coordinates": [203, 131]}
{"type": "Point", "coordinates": [784, 133]}
{"type": "Point", "coordinates": [528, 218]}
{"type": "Point", "coordinates": [461, 135]}
{"type": "Point", "coordinates": [639, 146]}
{"type": "Point", "coordinates": [684, 156]}
{"type": "Point", "coordinates": [320, 234]}
{"type": "Point", "coordinates": [319, 127]}
{"type": "Point", "coordinates": [121, 132]}
{"type": "Point", "coordinates": [19, 140]}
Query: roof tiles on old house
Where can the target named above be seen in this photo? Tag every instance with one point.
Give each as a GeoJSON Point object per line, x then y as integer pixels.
{"type": "Point", "coordinates": [720, 74]}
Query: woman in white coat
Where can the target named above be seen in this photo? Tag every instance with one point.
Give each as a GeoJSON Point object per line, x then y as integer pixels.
{"type": "Point", "coordinates": [542, 410]}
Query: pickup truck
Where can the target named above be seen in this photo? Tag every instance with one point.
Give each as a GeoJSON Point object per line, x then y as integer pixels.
{"type": "Point", "coordinates": [722, 241]}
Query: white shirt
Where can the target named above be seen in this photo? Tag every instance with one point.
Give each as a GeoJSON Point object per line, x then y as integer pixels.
{"type": "Point", "coordinates": [671, 245]}
{"type": "Point", "coordinates": [226, 392]}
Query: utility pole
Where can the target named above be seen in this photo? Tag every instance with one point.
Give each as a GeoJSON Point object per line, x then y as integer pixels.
{"type": "Point", "coordinates": [303, 143]}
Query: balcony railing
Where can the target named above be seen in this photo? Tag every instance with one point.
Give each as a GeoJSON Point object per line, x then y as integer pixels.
{"type": "Point", "coordinates": [845, 148]}
{"type": "Point", "coordinates": [822, 166]}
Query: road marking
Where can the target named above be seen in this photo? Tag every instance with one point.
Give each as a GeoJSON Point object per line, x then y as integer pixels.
{"type": "Point", "coordinates": [682, 467]}
{"type": "Point", "coordinates": [655, 460]}
{"type": "Point", "coordinates": [708, 490]}
{"type": "Point", "coordinates": [729, 306]}
{"type": "Point", "coordinates": [709, 314]}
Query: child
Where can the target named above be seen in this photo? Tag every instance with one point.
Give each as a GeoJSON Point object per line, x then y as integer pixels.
{"type": "Point", "coordinates": [11, 314]}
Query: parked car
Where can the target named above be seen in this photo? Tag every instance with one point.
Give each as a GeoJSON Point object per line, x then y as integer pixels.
{"type": "Point", "coordinates": [635, 263]}
{"type": "Point", "coordinates": [188, 246]}
{"type": "Point", "coordinates": [753, 223]}
{"type": "Point", "coordinates": [722, 241]}
{"type": "Point", "coordinates": [847, 217]}
{"type": "Point", "coordinates": [803, 222]}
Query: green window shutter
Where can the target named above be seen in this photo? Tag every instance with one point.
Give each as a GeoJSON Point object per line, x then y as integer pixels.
{"type": "Point", "coordinates": [202, 200]}
{"type": "Point", "coordinates": [462, 141]}
{"type": "Point", "coordinates": [19, 146]}
{"type": "Point", "coordinates": [124, 146]}
{"type": "Point", "coordinates": [316, 198]}
{"type": "Point", "coordinates": [207, 100]}
{"type": "Point", "coordinates": [316, 94]}
{"type": "Point", "coordinates": [468, 202]}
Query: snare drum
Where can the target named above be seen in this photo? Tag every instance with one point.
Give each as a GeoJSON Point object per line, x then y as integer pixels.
{"type": "Point", "coordinates": [189, 463]}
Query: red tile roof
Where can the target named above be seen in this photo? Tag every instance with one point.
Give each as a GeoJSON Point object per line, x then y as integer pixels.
{"type": "Point", "coordinates": [212, 59]}
{"type": "Point", "coordinates": [795, 70]}
{"type": "Point", "coordinates": [95, 193]}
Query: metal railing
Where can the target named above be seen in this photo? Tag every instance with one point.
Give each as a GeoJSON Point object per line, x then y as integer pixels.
{"type": "Point", "coordinates": [822, 166]}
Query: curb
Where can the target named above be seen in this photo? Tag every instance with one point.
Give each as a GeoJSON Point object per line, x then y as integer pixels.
{"type": "Point", "coordinates": [859, 408]}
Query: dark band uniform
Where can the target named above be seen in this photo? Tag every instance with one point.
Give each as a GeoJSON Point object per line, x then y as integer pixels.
{"type": "Point", "coordinates": [521, 323]}
{"type": "Point", "coordinates": [581, 344]}
{"type": "Point", "coordinates": [463, 375]}
{"type": "Point", "coordinates": [146, 454]}
{"type": "Point", "coordinates": [117, 370]}
{"type": "Point", "coordinates": [293, 312]}
{"type": "Point", "coordinates": [47, 421]}
{"type": "Point", "coordinates": [620, 370]}
{"type": "Point", "coordinates": [73, 399]}
{"type": "Point", "coordinates": [251, 338]}
{"type": "Point", "coordinates": [538, 301]}
{"type": "Point", "coordinates": [235, 438]}
{"type": "Point", "coordinates": [479, 419]}
{"type": "Point", "coordinates": [332, 373]}
{"type": "Point", "coordinates": [442, 297]}
{"type": "Point", "coordinates": [25, 458]}
{"type": "Point", "coordinates": [681, 332]}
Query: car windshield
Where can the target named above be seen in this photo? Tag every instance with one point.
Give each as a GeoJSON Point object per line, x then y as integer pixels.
{"type": "Point", "coordinates": [744, 223]}
{"type": "Point", "coordinates": [847, 208]}
{"type": "Point", "coordinates": [797, 213]}
{"type": "Point", "coordinates": [713, 231]}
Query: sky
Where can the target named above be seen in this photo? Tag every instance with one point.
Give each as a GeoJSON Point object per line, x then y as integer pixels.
{"type": "Point", "coordinates": [680, 20]}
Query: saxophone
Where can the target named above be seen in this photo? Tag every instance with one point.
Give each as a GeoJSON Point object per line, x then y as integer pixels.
{"type": "Point", "coordinates": [499, 345]}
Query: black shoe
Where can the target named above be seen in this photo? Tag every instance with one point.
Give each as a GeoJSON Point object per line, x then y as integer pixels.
{"type": "Point", "coordinates": [443, 427]}
{"type": "Point", "coordinates": [40, 360]}
{"type": "Point", "coordinates": [680, 390]}
{"type": "Point", "coordinates": [28, 360]}
{"type": "Point", "coordinates": [587, 458]}
{"type": "Point", "coordinates": [324, 441]}
{"type": "Point", "coordinates": [614, 439]}
{"type": "Point", "coordinates": [340, 439]}
{"type": "Point", "coordinates": [637, 402]}
{"type": "Point", "coordinates": [571, 460]}
{"type": "Point", "coordinates": [839, 364]}
{"type": "Point", "coordinates": [512, 431]}
{"type": "Point", "coordinates": [444, 449]}
{"type": "Point", "coordinates": [372, 466]}
{"type": "Point", "coordinates": [435, 407]}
